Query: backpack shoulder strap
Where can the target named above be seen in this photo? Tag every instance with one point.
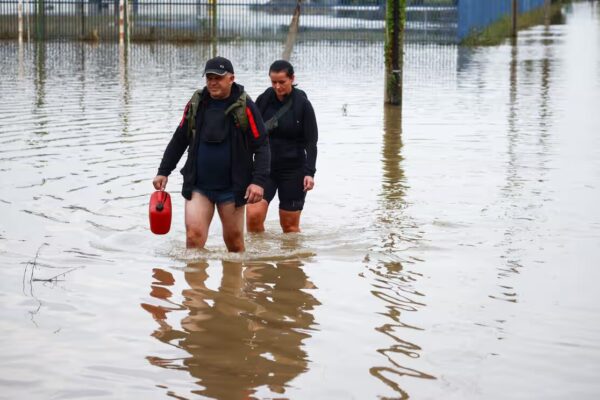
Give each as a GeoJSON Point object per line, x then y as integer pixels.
{"type": "Point", "coordinates": [273, 122]}
{"type": "Point", "coordinates": [192, 111]}
{"type": "Point", "coordinates": [238, 111]}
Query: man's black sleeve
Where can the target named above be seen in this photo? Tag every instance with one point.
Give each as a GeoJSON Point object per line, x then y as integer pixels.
{"type": "Point", "coordinates": [259, 144]}
{"type": "Point", "coordinates": [176, 147]}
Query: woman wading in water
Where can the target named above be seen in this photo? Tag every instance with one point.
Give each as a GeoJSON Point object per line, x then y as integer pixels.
{"type": "Point", "coordinates": [292, 127]}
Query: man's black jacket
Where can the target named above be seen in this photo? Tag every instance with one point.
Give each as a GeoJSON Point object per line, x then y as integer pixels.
{"type": "Point", "coordinates": [250, 154]}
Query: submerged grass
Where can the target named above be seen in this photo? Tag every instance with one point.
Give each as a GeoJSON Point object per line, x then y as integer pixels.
{"type": "Point", "coordinates": [502, 29]}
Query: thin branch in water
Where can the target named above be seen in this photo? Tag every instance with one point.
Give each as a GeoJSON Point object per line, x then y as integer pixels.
{"type": "Point", "coordinates": [30, 270]}
{"type": "Point", "coordinates": [32, 264]}
{"type": "Point", "coordinates": [55, 277]}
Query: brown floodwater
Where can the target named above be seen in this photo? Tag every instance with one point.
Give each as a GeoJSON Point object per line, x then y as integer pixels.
{"type": "Point", "coordinates": [449, 252]}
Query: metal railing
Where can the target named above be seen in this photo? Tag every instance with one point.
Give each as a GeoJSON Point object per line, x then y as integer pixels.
{"type": "Point", "coordinates": [207, 20]}
{"type": "Point", "coordinates": [430, 21]}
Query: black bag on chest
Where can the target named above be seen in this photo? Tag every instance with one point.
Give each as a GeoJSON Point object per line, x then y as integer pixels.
{"type": "Point", "coordinates": [214, 125]}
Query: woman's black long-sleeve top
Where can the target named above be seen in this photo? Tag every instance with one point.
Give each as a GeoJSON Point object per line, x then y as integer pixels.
{"type": "Point", "coordinates": [294, 141]}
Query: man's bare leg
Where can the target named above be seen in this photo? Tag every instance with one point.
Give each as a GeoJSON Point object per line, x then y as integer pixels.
{"type": "Point", "coordinates": [255, 216]}
{"type": "Point", "coordinates": [232, 219]}
{"type": "Point", "coordinates": [199, 212]}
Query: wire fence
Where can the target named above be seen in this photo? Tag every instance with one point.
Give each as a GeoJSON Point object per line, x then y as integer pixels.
{"type": "Point", "coordinates": [429, 21]}
{"type": "Point", "coordinates": [207, 20]}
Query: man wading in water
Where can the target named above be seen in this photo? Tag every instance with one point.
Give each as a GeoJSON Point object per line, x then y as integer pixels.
{"type": "Point", "coordinates": [228, 156]}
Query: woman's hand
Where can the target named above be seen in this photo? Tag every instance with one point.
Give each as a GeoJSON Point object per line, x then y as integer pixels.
{"type": "Point", "coordinates": [254, 194]}
{"type": "Point", "coordinates": [309, 183]}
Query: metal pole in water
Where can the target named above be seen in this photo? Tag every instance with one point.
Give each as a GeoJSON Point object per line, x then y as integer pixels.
{"type": "Point", "coordinates": [39, 20]}
{"type": "Point", "coordinates": [127, 13]}
{"type": "Point", "coordinates": [213, 26]}
{"type": "Point", "coordinates": [82, 15]}
{"type": "Point", "coordinates": [121, 22]}
{"type": "Point", "coordinates": [213, 21]}
{"type": "Point", "coordinates": [20, 13]}
{"type": "Point", "coordinates": [394, 50]}
{"type": "Point", "coordinates": [546, 13]}
{"type": "Point", "coordinates": [515, 11]}
{"type": "Point", "coordinates": [28, 23]}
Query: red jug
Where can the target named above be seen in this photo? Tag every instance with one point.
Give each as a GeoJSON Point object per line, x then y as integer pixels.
{"type": "Point", "coordinates": [160, 212]}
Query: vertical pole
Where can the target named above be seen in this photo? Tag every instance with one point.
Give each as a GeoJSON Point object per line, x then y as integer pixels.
{"type": "Point", "coordinates": [515, 11]}
{"type": "Point", "coordinates": [213, 26]}
{"type": "Point", "coordinates": [20, 51]}
{"type": "Point", "coordinates": [546, 13]}
{"type": "Point", "coordinates": [28, 23]}
{"type": "Point", "coordinates": [213, 20]}
{"type": "Point", "coordinates": [121, 22]}
{"type": "Point", "coordinates": [126, 12]}
{"type": "Point", "coordinates": [20, 16]}
{"type": "Point", "coordinates": [394, 50]}
{"type": "Point", "coordinates": [82, 18]}
{"type": "Point", "coordinates": [39, 20]}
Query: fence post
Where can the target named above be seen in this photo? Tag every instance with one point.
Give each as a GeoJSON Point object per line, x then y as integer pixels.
{"type": "Point", "coordinates": [40, 23]}
{"type": "Point", "coordinates": [127, 13]}
{"type": "Point", "coordinates": [515, 11]}
{"type": "Point", "coordinates": [82, 15]}
{"type": "Point", "coordinates": [20, 13]}
{"type": "Point", "coordinates": [213, 19]}
{"type": "Point", "coordinates": [130, 17]}
{"type": "Point", "coordinates": [121, 22]}
{"type": "Point", "coordinates": [394, 50]}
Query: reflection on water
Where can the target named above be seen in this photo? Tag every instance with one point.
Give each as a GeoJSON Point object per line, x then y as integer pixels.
{"type": "Point", "coordinates": [392, 280]}
{"type": "Point", "coordinates": [247, 334]}
{"type": "Point", "coordinates": [394, 285]}
{"type": "Point", "coordinates": [513, 182]}
{"type": "Point", "coordinates": [523, 190]}
{"type": "Point", "coordinates": [124, 83]}
{"type": "Point", "coordinates": [40, 83]}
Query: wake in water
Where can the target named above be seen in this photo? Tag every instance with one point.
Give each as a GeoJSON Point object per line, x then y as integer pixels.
{"type": "Point", "coordinates": [259, 247]}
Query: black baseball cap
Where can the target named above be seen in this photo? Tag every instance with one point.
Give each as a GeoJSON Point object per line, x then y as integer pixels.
{"type": "Point", "coordinates": [219, 66]}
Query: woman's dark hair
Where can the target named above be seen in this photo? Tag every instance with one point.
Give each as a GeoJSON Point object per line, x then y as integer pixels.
{"type": "Point", "coordinates": [282, 65]}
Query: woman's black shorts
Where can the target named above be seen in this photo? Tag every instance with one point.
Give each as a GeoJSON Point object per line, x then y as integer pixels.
{"type": "Point", "coordinates": [289, 184]}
